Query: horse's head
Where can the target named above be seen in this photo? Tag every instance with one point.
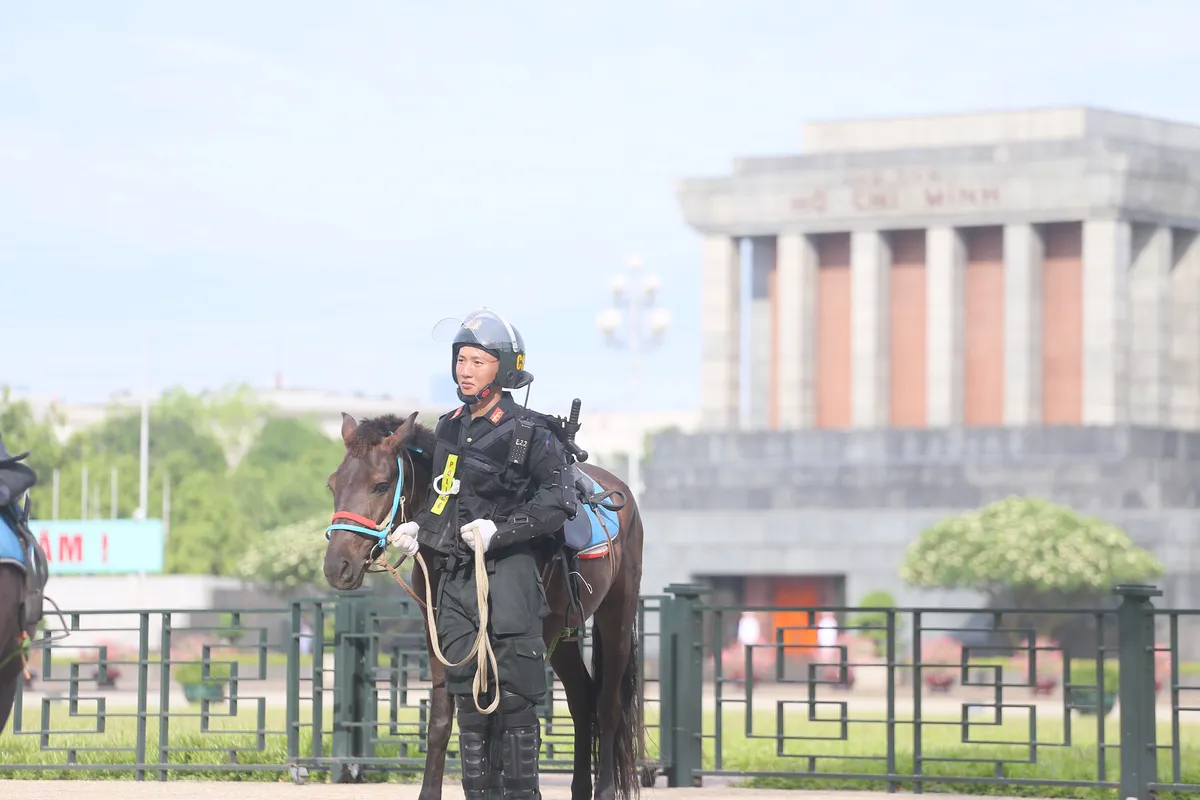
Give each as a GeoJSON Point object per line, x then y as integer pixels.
{"type": "Point", "coordinates": [381, 454]}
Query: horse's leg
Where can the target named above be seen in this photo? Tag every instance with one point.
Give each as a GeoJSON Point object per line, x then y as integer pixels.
{"type": "Point", "coordinates": [12, 592]}
{"type": "Point", "coordinates": [440, 707]}
{"type": "Point", "coordinates": [615, 666]}
{"type": "Point", "coordinates": [8, 681]}
{"type": "Point", "coordinates": [568, 664]}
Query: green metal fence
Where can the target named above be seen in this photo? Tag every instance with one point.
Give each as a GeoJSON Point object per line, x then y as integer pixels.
{"type": "Point", "coordinates": [338, 687]}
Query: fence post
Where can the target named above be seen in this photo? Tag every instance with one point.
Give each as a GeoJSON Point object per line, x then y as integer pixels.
{"type": "Point", "coordinates": [1135, 690]}
{"type": "Point", "coordinates": [683, 696]}
{"type": "Point", "coordinates": [293, 684]}
{"type": "Point", "coordinates": [348, 689]}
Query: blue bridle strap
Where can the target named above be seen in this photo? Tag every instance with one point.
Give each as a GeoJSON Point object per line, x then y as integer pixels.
{"type": "Point", "coordinates": [381, 531]}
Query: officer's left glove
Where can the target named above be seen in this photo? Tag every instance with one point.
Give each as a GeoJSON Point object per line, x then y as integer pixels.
{"type": "Point", "coordinates": [485, 529]}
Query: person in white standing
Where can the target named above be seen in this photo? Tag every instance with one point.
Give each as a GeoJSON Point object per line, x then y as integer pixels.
{"type": "Point", "coordinates": [749, 632]}
{"type": "Point", "coordinates": [827, 638]}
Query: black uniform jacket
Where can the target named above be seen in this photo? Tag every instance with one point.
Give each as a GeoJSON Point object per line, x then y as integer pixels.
{"type": "Point", "coordinates": [527, 499]}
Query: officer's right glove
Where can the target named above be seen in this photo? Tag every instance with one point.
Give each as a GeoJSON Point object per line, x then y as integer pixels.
{"type": "Point", "coordinates": [404, 538]}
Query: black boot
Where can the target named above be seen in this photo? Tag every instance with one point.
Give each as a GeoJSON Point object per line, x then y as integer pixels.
{"type": "Point", "coordinates": [475, 750]}
{"type": "Point", "coordinates": [521, 746]}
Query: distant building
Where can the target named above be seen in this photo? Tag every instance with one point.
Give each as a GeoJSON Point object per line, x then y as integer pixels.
{"type": "Point", "coordinates": [1006, 268]}
{"type": "Point", "coordinates": [942, 310]}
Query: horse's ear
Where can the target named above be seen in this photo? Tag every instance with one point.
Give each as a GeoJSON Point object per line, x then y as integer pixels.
{"type": "Point", "coordinates": [349, 426]}
{"type": "Point", "coordinates": [394, 442]}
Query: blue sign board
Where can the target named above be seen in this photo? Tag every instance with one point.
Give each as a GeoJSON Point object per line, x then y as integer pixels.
{"type": "Point", "coordinates": [100, 546]}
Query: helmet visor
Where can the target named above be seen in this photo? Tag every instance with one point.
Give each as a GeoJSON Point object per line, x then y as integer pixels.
{"type": "Point", "coordinates": [486, 327]}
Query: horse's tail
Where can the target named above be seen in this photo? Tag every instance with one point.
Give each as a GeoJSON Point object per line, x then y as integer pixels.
{"type": "Point", "coordinates": [628, 745]}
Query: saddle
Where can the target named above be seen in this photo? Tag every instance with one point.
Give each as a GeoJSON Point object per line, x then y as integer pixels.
{"type": "Point", "coordinates": [589, 528]}
{"type": "Point", "coordinates": [15, 480]}
{"type": "Point", "coordinates": [32, 562]}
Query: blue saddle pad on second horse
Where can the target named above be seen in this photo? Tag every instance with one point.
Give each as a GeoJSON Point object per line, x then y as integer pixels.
{"type": "Point", "coordinates": [11, 551]}
{"type": "Point", "coordinates": [586, 533]}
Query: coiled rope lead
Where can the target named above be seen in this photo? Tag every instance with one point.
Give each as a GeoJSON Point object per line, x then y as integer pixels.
{"type": "Point", "coordinates": [482, 649]}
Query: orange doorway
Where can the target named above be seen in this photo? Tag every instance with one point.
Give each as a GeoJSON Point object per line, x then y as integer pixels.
{"type": "Point", "coordinates": [797, 627]}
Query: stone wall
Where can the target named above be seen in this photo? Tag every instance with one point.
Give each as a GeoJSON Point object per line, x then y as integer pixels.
{"type": "Point", "coordinates": [849, 502]}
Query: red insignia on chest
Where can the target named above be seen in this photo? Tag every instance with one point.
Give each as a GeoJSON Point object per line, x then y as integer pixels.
{"type": "Point", "coordinates": [457, 411]}
{"type": "Point", "coordinates": [496, 415]}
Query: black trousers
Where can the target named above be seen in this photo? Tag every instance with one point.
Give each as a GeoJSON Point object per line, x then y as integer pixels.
{"type": "Point", "coordinates": [518, 605]}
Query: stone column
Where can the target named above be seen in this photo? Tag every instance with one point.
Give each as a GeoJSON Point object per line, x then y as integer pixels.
{"type": "Point", "coordinates": [762, 340]}
{"type": "Point", "coordinates": [870, 268]}
{"type": "Point", "coordinates": [1023, 252]}
{"type": "Point", "coordinates": [1185, 331]}
{"type": "Point", "coordinates": [721, 333]}
{"type": "Point", "coordinates": [945, 260]}
{"type": "Point", "coordinates": [1106, 257]}
{"type": "Point", "coordinates": [796, 305]}
{"type": "Point", "coordinates": [1150, 326]}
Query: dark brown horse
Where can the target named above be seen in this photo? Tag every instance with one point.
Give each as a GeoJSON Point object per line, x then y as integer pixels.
{"type": "Point", "coordinates": [12, 596]}
{"type": "Point", "coordinates": [605, 704]}
{"type": "Point", "coordinates": [24, 572]}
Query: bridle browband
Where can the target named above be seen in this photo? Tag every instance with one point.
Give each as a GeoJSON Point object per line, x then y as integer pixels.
{"type": "Point", "coordinates": [380, 531]}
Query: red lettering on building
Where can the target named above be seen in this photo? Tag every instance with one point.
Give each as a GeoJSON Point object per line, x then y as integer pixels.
{"type": "Point", "coordinates": [70, 548]}
{"type": "Point", "coordinates": [44, 543]}
{"type": "Point", "coordinates": [874, 199]}
{"type": "Point", "coordinates": [813, 203]}
{"type": "Point", "coordinates": [104, 548]}
{"type": "Point", "coordinates": [870, 194]}
{"type": "Point", "coordinates": [961, 197]}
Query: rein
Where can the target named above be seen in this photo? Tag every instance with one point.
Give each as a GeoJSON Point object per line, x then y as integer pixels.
{"type": "Point", "coordinates": [482, 649]}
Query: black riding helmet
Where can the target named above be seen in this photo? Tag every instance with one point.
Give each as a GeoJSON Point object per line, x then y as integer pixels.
{"type": "Point", "coordinates": [491, 333]}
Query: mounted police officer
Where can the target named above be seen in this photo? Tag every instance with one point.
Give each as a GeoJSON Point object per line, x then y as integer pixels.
{"type": "Point", "coordinates": [502, 479]}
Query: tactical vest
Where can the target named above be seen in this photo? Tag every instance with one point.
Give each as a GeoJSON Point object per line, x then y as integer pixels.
{"type": "Point", "coordinates": [475, 476]}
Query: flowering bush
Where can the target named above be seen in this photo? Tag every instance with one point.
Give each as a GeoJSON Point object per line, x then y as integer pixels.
{"type": "Point", "coordinates": [1048, 664]}
{"type": "Point", "coordinates": [289, 559]}
{"type": "Point", "coordinates": [941, 659]}
{"type": "Point", "coordinates": [1027, 552]}
{"type": "Point", "coordinates": [113, 650]}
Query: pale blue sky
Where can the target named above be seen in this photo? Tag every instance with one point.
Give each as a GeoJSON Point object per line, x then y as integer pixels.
{"type": "Point", "coordinates": [316, 183]}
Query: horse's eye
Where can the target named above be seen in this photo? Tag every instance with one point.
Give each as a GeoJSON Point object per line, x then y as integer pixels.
{"type": "Point", "coordinates": [380, 488]}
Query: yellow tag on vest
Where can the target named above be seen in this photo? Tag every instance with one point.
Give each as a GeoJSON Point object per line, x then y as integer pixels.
{"type": "Point", "coordinates": [447, 481]}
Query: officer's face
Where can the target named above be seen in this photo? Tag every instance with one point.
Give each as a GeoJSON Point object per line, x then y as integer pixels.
{"type": "Point", "coordinates": [475, 369]}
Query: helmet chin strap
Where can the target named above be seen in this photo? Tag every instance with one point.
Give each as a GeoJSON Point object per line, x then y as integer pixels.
{"type": "Point", "coordinates": [485, 394]}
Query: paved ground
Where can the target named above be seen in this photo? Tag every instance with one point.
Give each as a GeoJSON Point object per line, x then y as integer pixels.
{"type": "Point", "coordinates": [200, 790]}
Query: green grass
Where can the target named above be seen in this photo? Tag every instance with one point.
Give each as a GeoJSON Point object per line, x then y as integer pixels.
{"type": "Point", "coordinates": [195, 753]}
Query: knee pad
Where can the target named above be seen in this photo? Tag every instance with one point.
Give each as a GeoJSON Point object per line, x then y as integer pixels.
{"type": "Point", "coordinates": [521, 744]}
{"type": "Point", "coordinates": [473, 745]}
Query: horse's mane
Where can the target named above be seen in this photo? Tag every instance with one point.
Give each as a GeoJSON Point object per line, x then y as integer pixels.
{"type": "Point", "coordinates": [370, 432]}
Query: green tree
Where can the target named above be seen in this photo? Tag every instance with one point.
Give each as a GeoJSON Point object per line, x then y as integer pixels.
{"type": "Point", "coordinates": [23, 431]}
{"type": "Point", "coordinates": [1027, 553]}
{"type": "Point", "coordinates": [282, 477]}
{"type": "Point", "coordinates": [209, 533]}
{"type": "Point", "coordinates": [219, 512]}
